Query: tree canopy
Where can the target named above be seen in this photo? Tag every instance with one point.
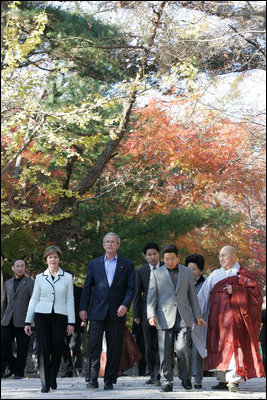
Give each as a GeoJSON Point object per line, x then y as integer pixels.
{"type": "Point", "coordinates": [82, 156]}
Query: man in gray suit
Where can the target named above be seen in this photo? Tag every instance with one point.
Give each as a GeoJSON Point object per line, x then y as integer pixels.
{"type": "Point", "coordinates": [4, 365]}
{"type": "Point", "coordinates": [17, 294]}
{"type": "Point", "coordinates": [171, 294]}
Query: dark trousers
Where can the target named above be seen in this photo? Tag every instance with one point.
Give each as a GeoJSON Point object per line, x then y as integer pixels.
{"type": "Point", "coordinates": [8, 355]}
{"type": "Point", "coordinates": [8, 334]}
{"type": "Point", "coordinates": [197, 365]}
{"type": "Point", "coordinates": [50, 333]}
{"type": "Point", "coordinates": [72, 355]}
{"type": "Point", "coordinates": [114, 332]}
{"type": "Point", "coordinates": [151, 349]}
{"type": "Point", "coordinates": [137, 331]}
{"type": "Point", "coordinates": [176, 340]}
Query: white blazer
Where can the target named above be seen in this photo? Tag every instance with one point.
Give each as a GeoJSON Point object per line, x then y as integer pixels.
{"type": "Point", "coordinates": [48, 293]}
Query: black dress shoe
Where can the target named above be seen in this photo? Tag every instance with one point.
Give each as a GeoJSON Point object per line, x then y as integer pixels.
{"type": "Point", "coordinates": [45, 389]}
{"type": "Point", "coordinates": [53, 385]}
{"type": "Point", "coordinates": [166, 388]}
{"type": "Point", "coordinates": [92, 385]}
{"type": "Point", "coordinates": [187, 384]}
{"type": "Point", "coordinates": [108, 386]}
{"type": "Point", "coordinates": [220, 386]}
{"type": "Point", "coordinates": [67, 375]}
{"type": "Point", "coordinates": [18, 377]}
{"type": "Point", "coordinates": [197, 386]}
{"type": "Point", "coordinates": [7, 375]}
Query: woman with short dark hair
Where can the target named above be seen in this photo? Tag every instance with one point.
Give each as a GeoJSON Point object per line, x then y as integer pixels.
{"type": "Point", "coordinates": [52, 308]}
{"type": "Point", "coordinates": [196, 263]}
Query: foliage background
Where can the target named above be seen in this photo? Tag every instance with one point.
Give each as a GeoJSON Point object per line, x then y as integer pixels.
{"type": "Point", "coordinates": [82, 155]}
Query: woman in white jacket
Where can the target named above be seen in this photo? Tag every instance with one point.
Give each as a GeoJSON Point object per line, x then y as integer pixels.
{"type": "Point", "coordinates": [52, 308]}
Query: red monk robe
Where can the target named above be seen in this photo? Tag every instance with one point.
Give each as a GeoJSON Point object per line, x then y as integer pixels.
{"type": "Point", "coordinates": [130, 354]}
{"type": "Point", "coordinates": [234, 326]}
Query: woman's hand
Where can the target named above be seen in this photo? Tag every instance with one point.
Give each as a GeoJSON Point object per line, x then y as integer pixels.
{"type": "Point", "coordinates": [70, 330]}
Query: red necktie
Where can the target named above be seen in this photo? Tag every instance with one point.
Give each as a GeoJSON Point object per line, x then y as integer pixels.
{"type": "Point", "coordinates": [154, 267]}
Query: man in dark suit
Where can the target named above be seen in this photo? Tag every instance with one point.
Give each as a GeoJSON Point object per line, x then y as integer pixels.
{"type": "Point", "coordinates": [4, 365]}
{"type": "Point", "coordinates": [17, 294]}
{"type": "Point", "coordinates": [151, 254]}
{"type": "Point", "coordinates": [106, 297]}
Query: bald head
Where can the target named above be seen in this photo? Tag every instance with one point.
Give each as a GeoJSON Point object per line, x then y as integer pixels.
{"type": "Point", "coordinates": [227, 257]}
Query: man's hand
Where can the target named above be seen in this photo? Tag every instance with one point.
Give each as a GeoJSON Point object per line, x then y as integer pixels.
{"type": "Point", "coordinates": [137, 321]}
{"type": "Point", "coordinates": [83, 316]}
{"type": "Point", "coordinates": [200, 321]}
{"type": "Point", "coordinates": [122, 310]}
{"type": "Point", "coordinates": [28, 330]}
{"type": "Point", "coordinates": [152, 321]}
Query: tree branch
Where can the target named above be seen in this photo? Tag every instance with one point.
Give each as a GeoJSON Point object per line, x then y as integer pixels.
{"type": "Point", "coordinates": [254, 44]}
{"type": "Point", "coordinates": [106, 155]}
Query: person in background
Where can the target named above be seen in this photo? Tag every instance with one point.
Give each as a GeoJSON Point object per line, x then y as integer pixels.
{"type": "Point", "coordinates": [52, 308]}
{"type": "Point", "coordinates": [151, 255]}
{"type": "Point", "coordinates": [17, 294]}
{"type": "Point", "coordinates": [262, 337]}
{"type": "Point", "coordinates": [72, 355]}
{"type": "Point", "coordinates": [170, 296]}
{"type": "Point", "coordinates": [196, 263]}
{"type": "Point", "coordinates": [105, 300]}
{"type": "Point", "coordinates": [231, 300]}
{"type": "Point", "coordinates": [137, 332]}
{"type": "Point", "coordinates": [5, 368]}
{"type": "Point", "coordinates": [130, 354]}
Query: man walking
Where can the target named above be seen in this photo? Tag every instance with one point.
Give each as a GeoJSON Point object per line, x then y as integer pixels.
{"type": "Point", "coordinates": [4, 365]}
{"type": "Point", "coordinates": [72, 355]}
{"type": "Point", "coordinates": [105, 300]}
{"type": "Point", "coordinates": [151, 254]}
{"type": "Point", "coordinates": [171, 294]}
{"type": "Point", "coordinates": [17, 294]}
{"type": "Point", "coordinates": [231, 302]}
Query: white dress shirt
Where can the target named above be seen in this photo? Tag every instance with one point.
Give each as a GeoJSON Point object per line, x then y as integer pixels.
{"type": "Point", "coordinates": [152, 266]}
{"type": "Point", "coordinates": [110, 267]}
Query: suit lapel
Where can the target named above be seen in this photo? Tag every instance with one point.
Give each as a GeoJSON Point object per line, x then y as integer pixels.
{"type": "Point", "coordinates": [102, 270]}
{"type": "Point", "coordinates": [147, 273]}
{"type": "Point", "coordinates": [59, 274]}
{"type": "Point", "coordinates": [118, 270]}
{"type": "Point", "coordinates": [168, 278]}
{"type": "Point", "coordinates": [180, 278]}
{"type": "Point", "coordinates": [11, 287]}
{"type": "Point", "coordinates": [49, 278]}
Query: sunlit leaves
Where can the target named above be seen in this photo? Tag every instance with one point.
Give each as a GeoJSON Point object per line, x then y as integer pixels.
{"type": "Point", "coordinates": [16, 47]}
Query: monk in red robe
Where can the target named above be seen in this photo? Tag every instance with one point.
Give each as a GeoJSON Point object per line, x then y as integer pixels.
{"type": "Point", "coordinates": [231, 300]}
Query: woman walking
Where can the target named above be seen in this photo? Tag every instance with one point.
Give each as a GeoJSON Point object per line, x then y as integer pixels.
{"type": "Point", "coordinates": [52, 308]}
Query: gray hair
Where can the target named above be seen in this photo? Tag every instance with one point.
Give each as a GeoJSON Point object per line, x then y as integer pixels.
{"type": "Point", "coordinates": [113, 234]}
{"type": "Point", "coordinates": [231, 249]}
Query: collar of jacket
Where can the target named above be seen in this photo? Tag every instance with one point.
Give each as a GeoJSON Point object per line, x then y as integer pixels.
{"type": "Point", "coordinates": [60, 272]}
